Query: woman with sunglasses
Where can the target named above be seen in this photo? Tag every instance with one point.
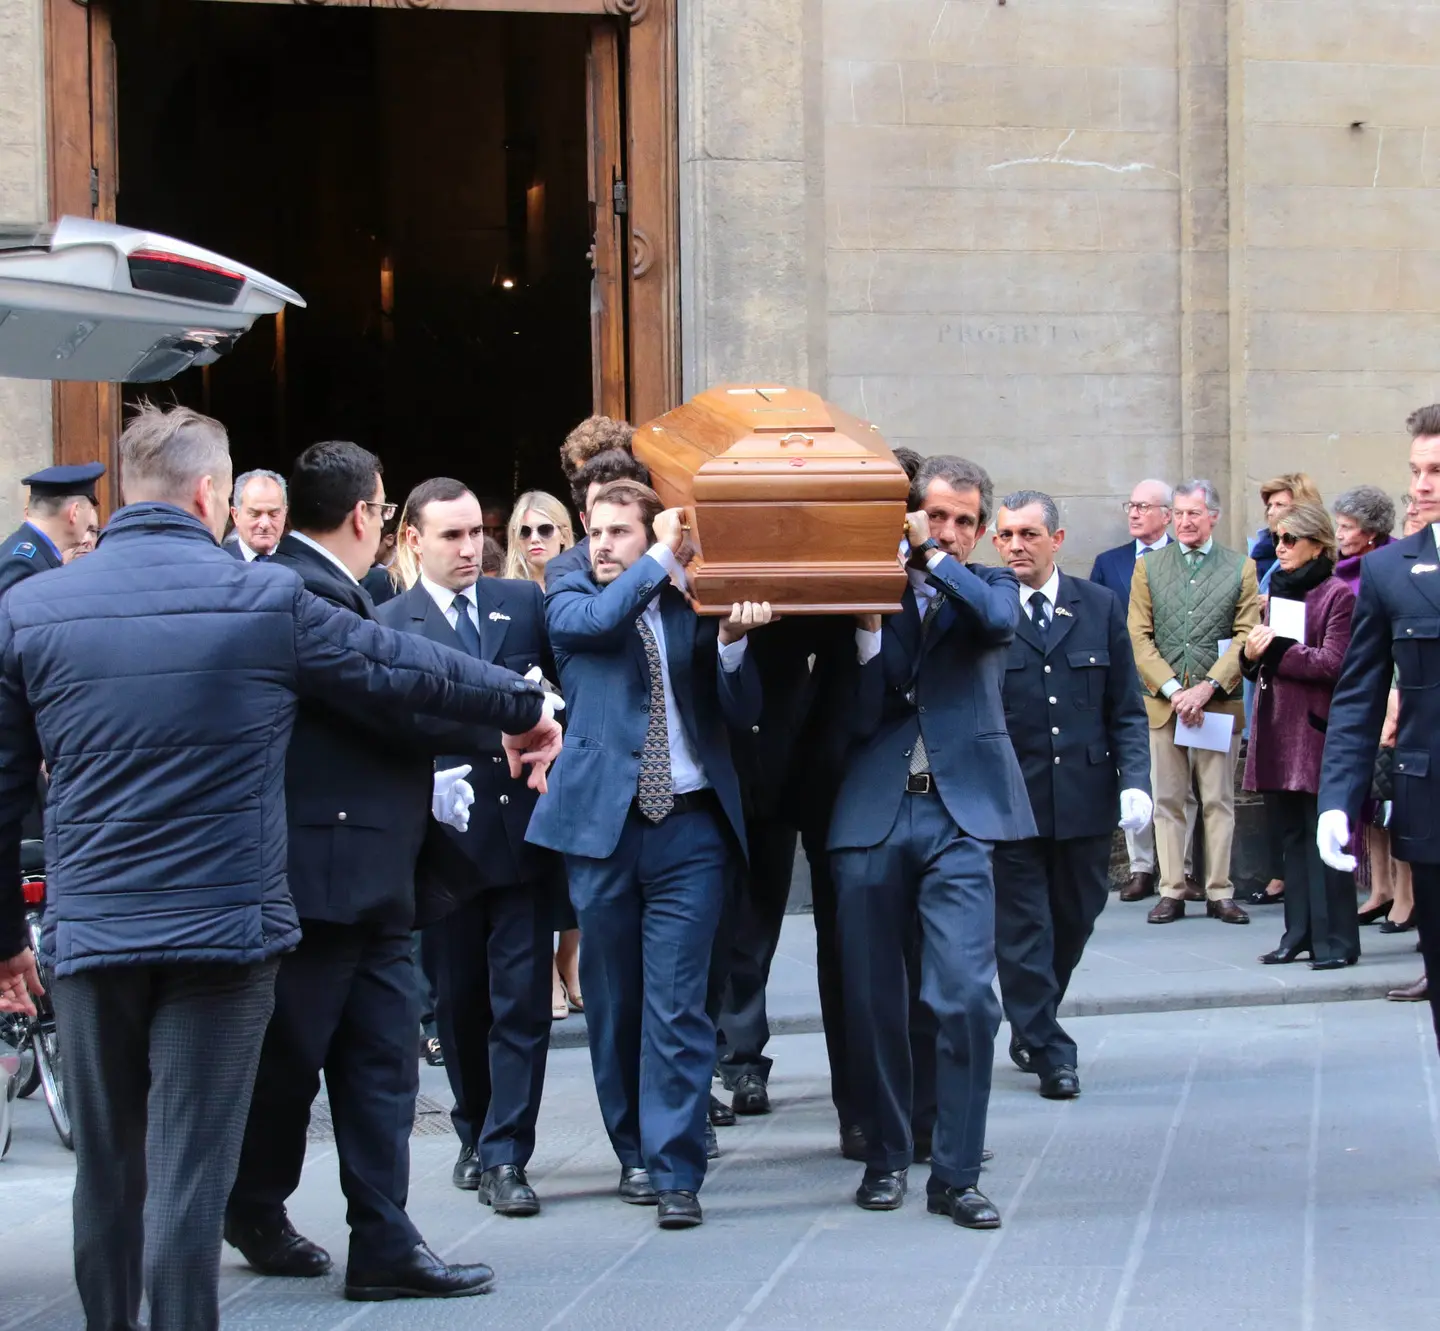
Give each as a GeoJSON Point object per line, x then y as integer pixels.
{"type": "Point", "coordinates": [539, 530]}
{"type": "Point", "coordinates": [1294, 681]}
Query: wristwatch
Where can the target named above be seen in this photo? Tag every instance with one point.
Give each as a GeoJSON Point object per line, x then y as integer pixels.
{"type": "Point", "coordinates": [922, 551]}
{"type": "Point", "coordinates": [1214, 687]}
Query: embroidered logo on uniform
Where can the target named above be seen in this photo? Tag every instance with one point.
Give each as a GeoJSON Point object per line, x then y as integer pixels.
{"type": "Point", "coordinates": [26, 548]}
{"type": "Point", "coordinates": [1060, 610]}
{"type": "Point", "coordinates": [495, 614]}
{"type": "Point", "coordinates": [1425, 568]}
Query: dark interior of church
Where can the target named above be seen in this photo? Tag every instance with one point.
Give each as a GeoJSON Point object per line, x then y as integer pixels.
{"type": "Point", "coordinates": [420, 179]}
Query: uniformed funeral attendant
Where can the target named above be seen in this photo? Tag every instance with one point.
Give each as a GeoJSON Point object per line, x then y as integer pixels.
{"type": "Point", "coordinates": [59, 517]}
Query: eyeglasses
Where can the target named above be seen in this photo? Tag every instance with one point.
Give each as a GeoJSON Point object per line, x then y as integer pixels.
{"type": "Point", "coordinates": [544, 531]}
{"type": "Point", "coordinates": [1129, 506]}
{"type": "Point", "coordinates": [387, 511]}
{"type": "Point", "coordinates": [1289, 540]}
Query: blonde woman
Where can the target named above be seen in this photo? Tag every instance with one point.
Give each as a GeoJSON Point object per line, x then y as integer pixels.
{"type": "Point", "coordinates": [539, 530]}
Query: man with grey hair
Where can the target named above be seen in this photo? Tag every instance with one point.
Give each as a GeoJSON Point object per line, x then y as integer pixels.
{"type": "Point", "coordinates": [258, 510]}
{"type": "Point", "coordinates": [1078, 728]}
{"type": "Point", "coordinates": [158, 680]}
{"type": "Point", "coordinates": [1192, 605]}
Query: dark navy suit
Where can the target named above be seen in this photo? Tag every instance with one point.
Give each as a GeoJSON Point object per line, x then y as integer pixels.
{"type": "Point", "coordinates": [898, 853]}
{"type": "Point", "coordinates": [485, 896]}
{"type": "Point", "coordinates": [1396, 628]}
{"type": "Point", "coordinates": [576, 558]}
{"type": "Point", "coordinates": [1115, 568]}
{"type": "Point", "coordinates": [1077, 722]}
{"type": "Point", "coordinates": [648, 896]}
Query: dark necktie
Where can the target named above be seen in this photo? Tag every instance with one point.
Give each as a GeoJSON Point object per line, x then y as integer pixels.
{"type": "Point", "coordinates": [1040, 612]}
{"type": "Point", "coordinates": [655, 792]}
{"type": "Point", "coordinates": [465, 628]}
{"type": "Point", "coordinates": [919, 759]}
{"type": "Point", "coordinates": [261, 559]}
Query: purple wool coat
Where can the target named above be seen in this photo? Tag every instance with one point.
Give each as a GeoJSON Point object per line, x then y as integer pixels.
{"type": "Point", "coordinates": [1348, 569]}
{"type": "Point", "coordinates": [1292, 694]}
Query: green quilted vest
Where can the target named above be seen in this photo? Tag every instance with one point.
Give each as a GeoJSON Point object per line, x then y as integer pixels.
{"type": "Point", "coordinates": [1193, 612]}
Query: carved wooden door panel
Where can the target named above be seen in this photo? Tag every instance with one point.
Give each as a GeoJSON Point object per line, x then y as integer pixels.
{"type": "Point", "coordinates": [608, 208]}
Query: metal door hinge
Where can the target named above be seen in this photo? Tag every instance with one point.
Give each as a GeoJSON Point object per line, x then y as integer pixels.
{"type": "Point", "coordinates": [94, 187]}
{"type": "Point", "coordinates": [621, 198]}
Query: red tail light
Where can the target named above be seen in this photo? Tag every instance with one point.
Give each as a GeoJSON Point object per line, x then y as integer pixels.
{"type": "Point", "coordinates": [33, 890]}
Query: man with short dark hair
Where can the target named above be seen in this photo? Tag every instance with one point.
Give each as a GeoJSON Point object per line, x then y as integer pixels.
{"type": "Point", "coordinates": [159, 681]}
{"type": "Point", "coordinates": [1076, 721]}
{"type": "Point", "coordinates": [359, 797]}
{"type": "Point", "coordinates": [615, 464]}
{"type": "Point", "coordinates": [58, 519]}
{"type": "Point", "coordinates": [258, 512]}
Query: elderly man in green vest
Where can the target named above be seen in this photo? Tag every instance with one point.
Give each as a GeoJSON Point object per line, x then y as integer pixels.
{"type": "Point", "coordinates": [1192, 605]}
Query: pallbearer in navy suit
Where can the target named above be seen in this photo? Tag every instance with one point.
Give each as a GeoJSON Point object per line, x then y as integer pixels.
{"type": "Point", "coordinates": [484, 894]}
{"type": "Point", "coordinates": [930, 785]}
{"type": "Point", "coordinates": [1076, 719]}
{"type": "Point", "coordinates": [645, 805]}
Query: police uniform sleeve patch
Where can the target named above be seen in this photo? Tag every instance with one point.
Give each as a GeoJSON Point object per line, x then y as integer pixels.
{"type": "Point", "coordinates": [26, 550]}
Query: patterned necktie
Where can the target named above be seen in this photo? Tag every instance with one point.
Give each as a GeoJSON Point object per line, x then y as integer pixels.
{"type": "Point", "coordinates": [465, 628]}
{"type": "Point", "coordinates": [655, 791]}
{"type": "Point", "coordinates": [1040, 612]}
{"type": "Point", "coordinates": [919, 759]}
{"type": "Point", "coordinates": [1192, 559]}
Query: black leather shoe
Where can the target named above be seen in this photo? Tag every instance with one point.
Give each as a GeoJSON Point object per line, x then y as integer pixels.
{"type": "Point", "coordinates": [1226, 911]}
{"type": "Point", "coordinates": [965, 1206]}
{"type": "Point", "coordinates": [636, 1188]}
{"type": "Point", "coordinates": [1061, 1084]}
{"type": "Point", "coordinates": [277, 1250]}
{"type": "Point", "coordinates": [721, 1115]}
{"type": "Point", "coordinates": [508, 1191]}
{"type": "Point", "coordinates": [679, 1210]}
{"type": "Point", "coordinates": [1020, 1056]}
{"type": "Point", "coordinates": [751, 1096]}
{"type": "Point", "coordinates": [882, 1190]}
{"type": "Point", "coordinates": [852, 1143]}
{"type": "Point", "coordinates": [422, 1275]}
{"type": "Point", "coordinates": [1333, 963]}
{"type": "Point", "coordinates": [466, 1174]}
{"type": "Point", "coordinates": [712, 1144]}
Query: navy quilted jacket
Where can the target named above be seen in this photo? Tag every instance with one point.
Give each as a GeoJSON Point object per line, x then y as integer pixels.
{"type": "Point", "coordinates": [159, 678]}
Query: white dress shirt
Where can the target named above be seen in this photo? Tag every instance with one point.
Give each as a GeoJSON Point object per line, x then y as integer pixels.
{"type": "Point", "coordinates": [686, 773]}
{"type": "Point", "coordinates": [1141, 548]}
{"type": "Point", "coordinates": [334, 559]}
{"type": "Point", "coordinates": [1048, 590]}
{"type": "Point", "coordinates": [449, 602]}
{"type": "Point", "coordinates": [246, 552]}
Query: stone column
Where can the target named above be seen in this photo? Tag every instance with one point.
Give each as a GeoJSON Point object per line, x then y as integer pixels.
{"type": "Point", "coordinates": [25, 442]}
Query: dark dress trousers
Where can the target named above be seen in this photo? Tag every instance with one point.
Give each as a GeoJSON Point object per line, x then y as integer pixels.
{"type": "Point", "coordinates": [899, 856]}
{"type": "Point", "coordinates": [1076, 720]}
{"type": "Point", "coordinates": [648, 895]}
{"type": "Point", "coordinates": [357, 794]}
{"type": "Point", "coordinates": [1395, 634]}
{"type": "Point", "coordinates": [486, 894]}
{"type": "Point", "coordinates": [25, 553]}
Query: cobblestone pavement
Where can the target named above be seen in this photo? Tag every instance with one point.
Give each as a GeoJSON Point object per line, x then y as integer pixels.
{"type": "Point", "coordinates": [1271, 1168]}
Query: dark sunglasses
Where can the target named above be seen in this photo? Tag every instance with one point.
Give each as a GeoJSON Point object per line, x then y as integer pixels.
{"type": "Point", "coordinates": [1289, 540]}
{"type": "Point", "coordinates": [544, 531]}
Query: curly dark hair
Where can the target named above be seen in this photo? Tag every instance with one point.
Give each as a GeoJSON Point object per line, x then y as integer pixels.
{"type": "Point", "coordinates": [594, 435]}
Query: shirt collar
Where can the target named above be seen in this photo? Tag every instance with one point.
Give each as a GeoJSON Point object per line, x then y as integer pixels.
{"type": "Point", "coordinates": [1141, 547]}
{"type": "Point", "coordinates": [1049, 589]}
{"type": "Point", "coordinates": [315, 545]}
{"type": "Point", "coordinates": [1200, 549]}
{"type": "Point", "coordinates": [40, 535]}
{"type": "Point", "coordinates": [445, 597]}
{"type": "Point", "coordinates": [245, 550]}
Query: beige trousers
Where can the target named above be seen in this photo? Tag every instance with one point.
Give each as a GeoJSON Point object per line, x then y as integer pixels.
{"type": "Point", "coordinates": [1173, 769]}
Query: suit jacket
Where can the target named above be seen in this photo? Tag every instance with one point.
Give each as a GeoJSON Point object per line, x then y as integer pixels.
{"type": "Point", "coordinates": [455, 866]}
{"type": "Point", "coordinates": [1115, 568]}
{"type": "Point", "coordinates": [606, 683]}
{"type": "Point", "coordinates": [25, 552]}
{"type": "Point", "coordinates": [357, 788]}
{"type": "Point", "coordinates": [1074, 711]}
{"type": "Point", "coordinates": [1396, 628]}
{"type": "Point", "coordinates": [231, 546]}
{"type": "Point", "coordinates": [947, 686]}
{"type": "Point", "coordinates": [567, 562]}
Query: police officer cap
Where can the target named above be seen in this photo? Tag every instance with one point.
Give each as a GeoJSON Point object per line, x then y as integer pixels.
{"type": "Point", "coordinates": [58, 482]}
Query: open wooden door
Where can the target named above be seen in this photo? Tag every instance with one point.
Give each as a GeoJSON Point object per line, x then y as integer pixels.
{"type": "Point", "coordinates": [80, 78]}
{"type": "Point", "coordinates": [608, 209]}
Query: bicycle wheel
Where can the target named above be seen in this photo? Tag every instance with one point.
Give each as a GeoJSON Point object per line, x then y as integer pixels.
{"type": "Point", "coordinates": [47, 1059]}
{"type": "Point", "coordinates": [15, 1031]}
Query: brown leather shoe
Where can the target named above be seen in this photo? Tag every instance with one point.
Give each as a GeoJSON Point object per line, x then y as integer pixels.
{"type": "Point", "coordinates": [1226, 911]}
{"type": "Point", "coordinates": [1140, 886]}
{"type": "Point", "coordinates": [1166, 911]}
{"type": "Point", "coordinates": [1193, 890]}
{"type": "Point", "coordinates": [1411, 993]}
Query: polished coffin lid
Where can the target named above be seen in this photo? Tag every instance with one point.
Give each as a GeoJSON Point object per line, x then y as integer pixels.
{"type": "Point", "coordinates": [793, 500]}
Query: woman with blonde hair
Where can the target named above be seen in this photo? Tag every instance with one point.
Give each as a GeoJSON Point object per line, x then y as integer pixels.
{"type": "Point", "coordinates": [539, 530]}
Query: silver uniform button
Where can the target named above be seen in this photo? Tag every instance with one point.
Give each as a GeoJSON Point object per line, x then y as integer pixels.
{"type": "Point", "coordinates": [504, 799]}
{"type": "Point", "coordinates": [341, 816]}
{"type": "Point", "coordinates": [1057, 762]}
{"type": "Point", "coordinates": [1053, 701]}
{"type": "Point", "coordinates": [1055, 730]}
{"type": "Point", "coordinates": [1047, 670]}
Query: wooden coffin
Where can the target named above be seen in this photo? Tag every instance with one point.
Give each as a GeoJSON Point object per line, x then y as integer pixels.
{"type": "Point", "coordinates": [793, 501]}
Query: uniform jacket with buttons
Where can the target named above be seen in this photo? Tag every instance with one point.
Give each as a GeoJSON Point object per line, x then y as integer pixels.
{"type": "Point", "coordinates": [1074, 711]}
{"type": "Point", "coordinates": [1395, 633]}
{"type": "Point", "coordinates": [492, 852]}
{"type": "Point", "coordinates": [606, 683]}
{"type": "Point", "coordinates": [947, 685]}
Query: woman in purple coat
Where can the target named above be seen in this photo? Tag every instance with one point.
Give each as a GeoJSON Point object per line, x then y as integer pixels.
{"type": "Point", "coordinates": [1294, 682]}
{"type": "Point", "coordinates": [1364, 519]}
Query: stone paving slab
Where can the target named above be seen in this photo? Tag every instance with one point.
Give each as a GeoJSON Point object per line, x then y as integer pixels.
{"type": "Point", "coordinates": [1225, 1170]}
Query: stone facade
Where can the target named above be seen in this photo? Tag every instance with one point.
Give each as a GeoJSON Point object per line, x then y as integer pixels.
{"type": "Point", "coordinates": [24, 406]}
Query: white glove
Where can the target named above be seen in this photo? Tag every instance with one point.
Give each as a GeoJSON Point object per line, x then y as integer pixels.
{"type": "Point", "coordinates": [1332, 835]}
{"type": "Point", "coordinates": [553, 701]}
{"type": "Point", "coordinates": [1136, 810]}
{"type": "Point", "coordinates": [451, 798]}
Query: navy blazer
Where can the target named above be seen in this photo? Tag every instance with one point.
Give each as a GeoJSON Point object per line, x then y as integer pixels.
{"type": "Point", "coordinates": [492, 852]}
{"type": "Point", "coordinates": [567, 561]}
{"type": "Point", "coordinates": [1115, 568]}
{"type": "Point", "coordinates": [606, 684]}
{"type": "Point", "coordinates": [1396, 627]}
{"type": "Point", "coordinates": [946, 685]}
{"type": "Point", "coordinates": [1078, 680]}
